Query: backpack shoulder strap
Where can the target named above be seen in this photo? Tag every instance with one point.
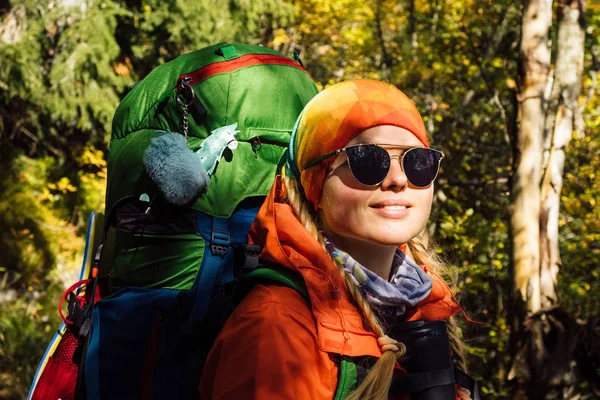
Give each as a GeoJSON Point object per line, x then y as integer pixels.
{"type": "Point", "coordinates": [270, 274]}
{"type": "Point", "coordinates": [349, 377]}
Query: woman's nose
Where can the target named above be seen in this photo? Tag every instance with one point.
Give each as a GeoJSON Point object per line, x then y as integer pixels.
{"type": "Point", "coordinates": [396, 178]}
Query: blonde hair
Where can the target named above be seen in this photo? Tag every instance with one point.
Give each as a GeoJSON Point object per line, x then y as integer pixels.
{"type": "Point", "coordinates": [377, 382]}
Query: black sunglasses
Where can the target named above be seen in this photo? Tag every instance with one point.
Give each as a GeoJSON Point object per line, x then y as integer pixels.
{"type": "Point", "coordinates": [370, 163]}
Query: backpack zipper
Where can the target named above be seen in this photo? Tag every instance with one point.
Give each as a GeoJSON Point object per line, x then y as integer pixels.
{"type": "Point", "coordinates": [238, 63]}
{"type": "Point", "coordinates": [257, 143]}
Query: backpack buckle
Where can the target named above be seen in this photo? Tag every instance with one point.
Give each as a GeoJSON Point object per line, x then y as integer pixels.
{"type": "Point", "coordinates": [246, 258]}
{"type": "Point", "coordinates": [219, 242]}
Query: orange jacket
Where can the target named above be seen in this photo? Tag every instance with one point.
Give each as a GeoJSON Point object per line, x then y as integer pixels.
{"type": "Point", "coordinates": [277, 346]}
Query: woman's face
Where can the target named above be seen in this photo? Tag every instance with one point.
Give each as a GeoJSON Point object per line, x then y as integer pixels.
{"type": "Point", "coordinates": [389, 214]}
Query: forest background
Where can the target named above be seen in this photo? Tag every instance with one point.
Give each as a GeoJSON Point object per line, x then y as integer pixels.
{"type": "Point", "coordinates": [65, 65]}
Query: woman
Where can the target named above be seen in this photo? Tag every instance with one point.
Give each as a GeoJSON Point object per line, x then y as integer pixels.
{"type": "Point", "coordinates": [349, 216]}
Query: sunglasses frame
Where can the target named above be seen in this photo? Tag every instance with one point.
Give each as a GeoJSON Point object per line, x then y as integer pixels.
{"type": "Point", "coordinates": [384, 147]}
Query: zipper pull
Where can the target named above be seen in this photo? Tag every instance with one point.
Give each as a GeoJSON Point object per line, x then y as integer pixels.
{"type": "Point", "coordinates": [296, 57]}
{"type": "Point", "coordinates": [149, 205]}
{"type": "Point", "coordinates": [256, 144]}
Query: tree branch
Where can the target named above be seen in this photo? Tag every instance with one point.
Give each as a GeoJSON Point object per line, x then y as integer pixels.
{"type": "Point", "coordinates": [473, 183]}
{"type": "Point", "coordinates": [386, 59]}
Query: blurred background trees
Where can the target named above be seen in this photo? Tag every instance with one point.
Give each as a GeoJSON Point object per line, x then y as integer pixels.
{"type": "Point", "coordinates": [64, 66]}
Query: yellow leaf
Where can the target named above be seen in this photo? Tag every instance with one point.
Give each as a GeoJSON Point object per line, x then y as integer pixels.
{"type": "Point", "coordinates": [280, 37]}
{"type": "Point", "coordinates": [64, 185]}
{"type": "Point", "coordinates": [92, 156]}
{"type": "Point", "coordinates": [121, 69]}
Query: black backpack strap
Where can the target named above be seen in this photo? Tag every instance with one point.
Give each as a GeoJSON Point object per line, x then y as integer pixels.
{"type": "Point", "coordinates": [85, 330]}
{"type": "Point", "coordinates": [466, 381]}
{"type": "Point", "coordinates": [250, 271]}
{"type": "Point", "coordinates": [420, 381]}
{"type": "Point", "coordinates": [245, 258]}
{"type": "Point", "coordinates": [426, 380]}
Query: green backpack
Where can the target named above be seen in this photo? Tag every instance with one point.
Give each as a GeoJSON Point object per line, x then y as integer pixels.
{"type": "Point", "coordinates": [195, 148]}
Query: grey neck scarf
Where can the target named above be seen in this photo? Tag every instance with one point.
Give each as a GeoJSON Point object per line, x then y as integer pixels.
{"type": "Point", "coordinates": [407, 286]}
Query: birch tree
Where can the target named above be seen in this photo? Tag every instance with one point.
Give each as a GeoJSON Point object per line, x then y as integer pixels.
{"type": "Point", "coordinates": [535, 71]}
{"type": "Point", "coordinates": [548, 116]}
{"type": "Point", "coordinates": [562, 118]}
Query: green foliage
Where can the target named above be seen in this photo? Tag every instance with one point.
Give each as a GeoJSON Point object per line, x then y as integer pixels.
{"type": "Point", "coordinates": [33, 207]}
{"type": "Point", "coordinates": [40, 248]}
{"type": "Point", "coordinates": [155, 31]}
{"type": "Point", "coordinates": [59, 79]}
{"type": "Point", "coordinates": [580, 225]}
{"type": "Point", "coordinates": [27, 324]}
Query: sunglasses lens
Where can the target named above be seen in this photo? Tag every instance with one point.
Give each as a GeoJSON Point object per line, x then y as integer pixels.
{"type": "Point", "coordinates": [369, 163]}
{"type": "Point", "coordinates": [421, 166]}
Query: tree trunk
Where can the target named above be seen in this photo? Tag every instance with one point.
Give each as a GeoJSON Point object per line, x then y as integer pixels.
{"type": "Point", "coordinates": [547, 119]}
{"type": "Point", "coordinates": [535, 67]}
{"type": "Point", "coordinates": [563, 109]}
{"type": "Point", "coordinates": [412, 27]}
{"type": "Point", "coordinates": [386, 58]}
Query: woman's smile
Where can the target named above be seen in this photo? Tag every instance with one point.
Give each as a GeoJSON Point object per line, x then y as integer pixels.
{"type": "Point", "coordinates": [392, 208]}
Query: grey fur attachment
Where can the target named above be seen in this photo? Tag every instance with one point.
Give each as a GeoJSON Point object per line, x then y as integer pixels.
{"type": "Point", "coordinates": [175, 168]}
